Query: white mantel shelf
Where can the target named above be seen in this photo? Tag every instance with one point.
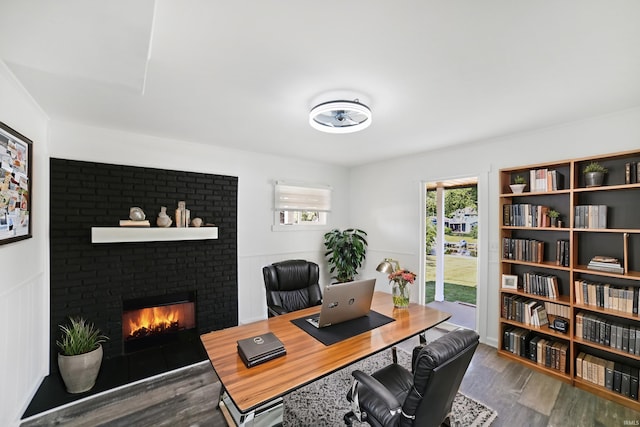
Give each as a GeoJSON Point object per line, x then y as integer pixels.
{"type": "Point", "coordinates": [150, 234]}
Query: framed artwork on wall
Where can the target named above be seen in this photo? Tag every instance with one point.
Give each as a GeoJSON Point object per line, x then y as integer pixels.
{"type": "Point", "coordinates": [15, 185]}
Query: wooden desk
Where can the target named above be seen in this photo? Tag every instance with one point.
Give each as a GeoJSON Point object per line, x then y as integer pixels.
{"type": "Point", "coordinates": [307, 359]}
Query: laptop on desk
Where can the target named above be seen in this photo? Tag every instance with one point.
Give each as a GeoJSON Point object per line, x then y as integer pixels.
{"type": "Point", "coordinates": [344, 301]}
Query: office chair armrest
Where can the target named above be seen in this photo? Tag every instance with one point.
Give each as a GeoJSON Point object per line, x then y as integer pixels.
{"type": "Point", "coordinates": [276, 310]}
{"type": "Point", "coordinates": [380, 391]}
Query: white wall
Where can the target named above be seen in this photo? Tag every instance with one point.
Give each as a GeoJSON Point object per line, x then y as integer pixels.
{"type": "Point", "coordinates": [24, 290]}
{"type": "Point", "coordinates": [257, 244]}
{"type": "Point", "coordinates": [386, 197]}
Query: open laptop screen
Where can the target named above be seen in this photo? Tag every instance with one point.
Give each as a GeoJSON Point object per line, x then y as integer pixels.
{"type": "Point", "coordinates": [344, 301]}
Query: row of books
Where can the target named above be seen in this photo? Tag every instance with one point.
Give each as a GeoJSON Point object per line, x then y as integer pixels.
{"type": "Point", "coordinates": [562, 253]}
{"type": "Point", "coordinates": [603, 263]}
{"type": "Point", "coordinates": [543, 351]}
{"type": "Point", "coordinates": [617, 377]}
{"type": "Point", "coordinates": [545, 285]}
{"type": "Point", "coordinates": [590, 216]}
{"type": "Point", "coordinates": [625, 299]}
{"type": "Point", "coordinates": [632, 173]}
{"type": "Point", "coordinates": [605, 332]}
{"type": "Point", "coordinates": [526, 215]}
{"type": "Point", "coordinates": [524, 310]}
{"type": "Point", "coordinates": [530, 250]}
{"type": "Point", "coordinates": [545, 180]}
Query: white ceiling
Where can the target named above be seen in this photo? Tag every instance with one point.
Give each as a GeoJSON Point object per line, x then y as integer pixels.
{"type": "Point", "coordinates": [244, 74]}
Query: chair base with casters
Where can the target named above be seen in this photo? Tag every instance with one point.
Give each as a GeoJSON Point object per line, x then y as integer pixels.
{"type": "Point", "coordinates": [394, 396]}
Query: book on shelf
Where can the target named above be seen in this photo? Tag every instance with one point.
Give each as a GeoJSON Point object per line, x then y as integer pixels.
{"type": "Point", "coordinates": [525, 215]}
{"type": "Point", "coordinates": [632, 172]}
{"type": "Point", "coordinates": [606, 296]}
{"type": "Point", "coordinates": [134, 223]}
{"type": "Point", "coordinates": [529, 250]}
{"type": "Point", "coordinates": [608, 264]}
{"type": "Point", "coordinates": [562, 253]}
{"type": "Point", "coordinates": [590, 216]}
{"type": "Point", "coordinates": [545, 180]}
{"type": "Point", "coordinates": [529, 345]}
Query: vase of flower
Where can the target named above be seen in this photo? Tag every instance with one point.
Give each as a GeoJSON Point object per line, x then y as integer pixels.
{"type": "Point", "coordinates": [400, 280]}
{"type": "Point", "coordinates": [401, 295]}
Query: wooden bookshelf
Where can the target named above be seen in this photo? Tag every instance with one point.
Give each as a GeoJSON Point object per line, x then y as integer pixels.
{"type": "Point", "coordinates": [622, 200]}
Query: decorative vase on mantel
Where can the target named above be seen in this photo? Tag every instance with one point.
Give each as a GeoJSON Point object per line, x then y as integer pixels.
{"type": "Point", "coordinates": [401, 295]}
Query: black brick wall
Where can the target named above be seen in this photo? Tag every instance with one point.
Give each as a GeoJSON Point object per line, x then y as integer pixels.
{"type": "Point", "coordinates": [92, 279]}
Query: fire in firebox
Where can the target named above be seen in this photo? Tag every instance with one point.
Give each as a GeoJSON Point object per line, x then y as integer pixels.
{"type": "Point", "coordinates": [153, 321]}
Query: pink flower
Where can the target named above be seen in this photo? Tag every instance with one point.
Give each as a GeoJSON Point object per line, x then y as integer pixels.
{"type": "Point", "coordinates": [402, 277]}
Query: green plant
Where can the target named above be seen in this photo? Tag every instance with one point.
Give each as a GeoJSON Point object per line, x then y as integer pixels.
{"type": "Point", "coordinates": [519, 179]}
{"type": "Point", "coordinates": [553, 213]}
{"type": "Point", "coordinates": [79, 337]}
{"type": "Point", "coordinates": [595, 167]}
{"type": "Point", "coordinates": [346, 251]}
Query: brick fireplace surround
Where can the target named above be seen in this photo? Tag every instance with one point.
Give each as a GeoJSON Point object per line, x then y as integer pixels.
{"type": "Point", "coordinates": [92, 280]}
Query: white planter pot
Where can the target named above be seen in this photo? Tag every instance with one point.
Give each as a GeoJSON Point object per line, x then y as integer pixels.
{"type": "Point", "coordinates": [79, 372]}
{"type": "Point", "coordinates": [517, 188]}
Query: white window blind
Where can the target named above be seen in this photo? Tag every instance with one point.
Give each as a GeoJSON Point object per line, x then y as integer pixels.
{"type": "Point", "coordinates": [289, 197]}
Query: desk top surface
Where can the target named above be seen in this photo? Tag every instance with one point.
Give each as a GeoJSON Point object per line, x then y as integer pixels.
{"type": "Point", "coordinates": [307, 359]}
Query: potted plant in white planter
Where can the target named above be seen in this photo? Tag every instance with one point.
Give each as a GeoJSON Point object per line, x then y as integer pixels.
{"type": "Point", "coordinates": [594, 174]}
{"type": "Point", "coordinates": [518, 184]}
{"type": "Point", "coordinates": [80, 355]}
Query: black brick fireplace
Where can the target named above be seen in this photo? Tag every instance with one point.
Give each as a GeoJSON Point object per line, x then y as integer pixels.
{"type": "Point", "coordinates": [94, 280]}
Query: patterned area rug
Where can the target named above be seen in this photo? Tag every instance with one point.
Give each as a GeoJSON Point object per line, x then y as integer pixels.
{"type": "Point", "coordinates": [324, 403]}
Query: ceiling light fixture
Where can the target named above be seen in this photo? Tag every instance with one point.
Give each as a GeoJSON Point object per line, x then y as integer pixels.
{"type": "Point", "coordinates": [340, 116]}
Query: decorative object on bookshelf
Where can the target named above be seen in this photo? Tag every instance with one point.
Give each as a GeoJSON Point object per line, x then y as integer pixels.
{"type": "Point", "coordinates": [509, 281]}
{"type": "Point", "coordinates": [553, 217]}
{"type": "Point", "coordinates": [560, 325]}
{"type": "Point", "coordinates": [136, 214]}
{"type": "Point", "coordinates": [196, 222]}
{"type": "Point", "coordinates": [518, 184]}
{"type": "Point", "coordinates": [163, 220]}
{"type": "Point", "coordinates": [132, 223]}
{"type": "Point", "coordinates": [594, 174]}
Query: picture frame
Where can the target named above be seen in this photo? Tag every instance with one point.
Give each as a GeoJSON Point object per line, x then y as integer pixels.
{"type": "Point", "coordinates": [16, 154]}
{"type": "Point", "coordinates": [509, 281]}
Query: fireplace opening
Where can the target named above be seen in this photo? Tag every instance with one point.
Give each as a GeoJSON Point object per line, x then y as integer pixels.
{"type": "Point", "coordinates": [158, 320]}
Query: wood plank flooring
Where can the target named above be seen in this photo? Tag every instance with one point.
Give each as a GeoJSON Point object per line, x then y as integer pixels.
{"type": "Point", "coordinates": [521, 396]}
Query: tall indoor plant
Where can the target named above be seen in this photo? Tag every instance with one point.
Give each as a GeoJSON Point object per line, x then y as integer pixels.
{"type": "Point", "coordinates": [80, 355]}
{"type": "Point", "coordinates": [346, 251]}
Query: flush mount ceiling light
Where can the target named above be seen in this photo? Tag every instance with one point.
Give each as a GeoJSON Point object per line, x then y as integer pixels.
{"type": "Point", "coordinates": [340, 116]}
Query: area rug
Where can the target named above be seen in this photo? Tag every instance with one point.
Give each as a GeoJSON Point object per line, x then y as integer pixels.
{"type": "Point", "coordinates": [323, 403]}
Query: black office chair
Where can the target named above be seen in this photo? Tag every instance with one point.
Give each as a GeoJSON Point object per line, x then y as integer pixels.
{"type": "Point", "coordinates": [393, 396]}
{"type": "Point", "coordinates": [291, 285]}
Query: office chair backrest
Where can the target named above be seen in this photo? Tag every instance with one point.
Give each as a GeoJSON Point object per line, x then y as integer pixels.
{"type": "Point", "coordinates": [438, 369]}
{"type": "Point", "coordinates": [292, 285]}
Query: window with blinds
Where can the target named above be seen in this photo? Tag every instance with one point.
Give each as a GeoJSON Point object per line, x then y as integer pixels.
{"type": "Point", "coordinates": [301, 204]}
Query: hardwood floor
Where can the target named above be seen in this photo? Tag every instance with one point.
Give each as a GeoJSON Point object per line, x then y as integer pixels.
{"type": "Point", "coordinates": [521, 396]}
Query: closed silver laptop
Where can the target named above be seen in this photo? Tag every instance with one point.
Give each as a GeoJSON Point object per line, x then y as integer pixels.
{"type": "Point", "coordinates": [344, 301]}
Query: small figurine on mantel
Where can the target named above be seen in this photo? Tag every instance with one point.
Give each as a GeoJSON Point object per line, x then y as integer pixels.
{"type": "Point", "coordinates": [163, 220]}
{"type": "Point", "coordinates": [183, 215]}
{"type": "Point", "coordinates": [196, 222]}
{"type": "Point", "coordinates": [136, 218]}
